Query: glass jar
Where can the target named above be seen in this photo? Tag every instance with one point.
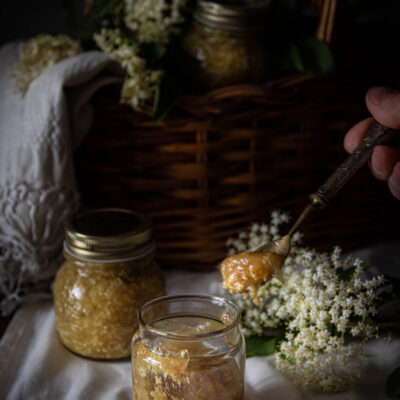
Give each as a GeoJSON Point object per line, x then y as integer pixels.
{"type": "Point", "coordinates": [227, 40]}
{"type": "Point", "coordinates": [188, 347]}
{"type": "Point", "coordinates": [108, 274]}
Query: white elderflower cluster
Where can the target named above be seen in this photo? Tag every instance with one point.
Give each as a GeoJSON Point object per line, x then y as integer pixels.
{"type": "Point", "coordinates": [153, 20]}
{"type": "Point", "coordinates": [38, 53]}
{"type": "Point", "coordinates": [148, 21]}
{"type": "Point", "coordinates": [323, 303]}
{"type": "Point", "coordinates": [140, 83]}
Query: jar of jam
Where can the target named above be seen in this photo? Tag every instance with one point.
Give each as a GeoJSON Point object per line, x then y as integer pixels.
{"type": "Point", "coordinates": [227, 40]}
{"type": "Point", "coordinates": [188, 347]}
{"type": "Point", "coordinates": [108, 274]}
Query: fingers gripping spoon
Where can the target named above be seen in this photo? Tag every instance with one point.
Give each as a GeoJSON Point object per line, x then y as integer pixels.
{"type": "Point", "coordinates": [245, 272]}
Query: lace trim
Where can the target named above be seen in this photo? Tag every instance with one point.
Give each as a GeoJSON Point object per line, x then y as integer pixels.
{"type": "Point", "coordinates": [31, 235]}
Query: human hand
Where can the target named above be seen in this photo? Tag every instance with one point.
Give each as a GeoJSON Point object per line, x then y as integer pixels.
{"type": "Point", "coordinates": [384, 105]}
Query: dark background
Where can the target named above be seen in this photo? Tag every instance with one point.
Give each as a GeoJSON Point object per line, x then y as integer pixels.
{"type": "Point", "coordinates": [21, 19]}
{"type": "Point", "coordinates": [367, 36]}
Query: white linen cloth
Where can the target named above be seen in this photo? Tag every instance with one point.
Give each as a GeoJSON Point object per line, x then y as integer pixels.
{"type": "Point", "coordinates": [38, 133]}
{"type": "Point", "coordinates": [34, 365]}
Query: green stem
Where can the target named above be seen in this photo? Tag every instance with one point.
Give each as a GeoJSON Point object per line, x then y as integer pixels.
{"type": "Point", "coordinates": [392, 324]}
{"type": "Point", "coordinates": [389, 324]}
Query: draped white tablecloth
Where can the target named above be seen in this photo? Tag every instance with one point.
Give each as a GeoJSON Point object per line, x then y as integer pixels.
{"type": "Point", "coordinates": [35, 365]}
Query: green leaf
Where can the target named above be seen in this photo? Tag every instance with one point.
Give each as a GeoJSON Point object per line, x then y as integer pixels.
{"type": "Point", "coordinates": [263, 345]}
{"type": "Point", "coordinates": [369, 320]}
{"type": "Point", "coordinates": [332, 329]}
{"type": "Point", "coordinates": [308, 55]}
{"type": "Point", "coordinates": [393, 383]}
{"type": "Point", "coordinates": [167, 95]}
{"type": "Point", "coordinates": [293, 60]}
{"type": "Point", "coordinates": [345, 274]}
{"type": "Point", "coordinates": [289, 359]}
{"type": "Point", "coordinates": [366, 265]}
{"type": "Point", "coordinates": [317, 55]}
{"type": "Point", "coordinates": [153, 53]}
{"type": "Point", "coordinates": [260, 346]}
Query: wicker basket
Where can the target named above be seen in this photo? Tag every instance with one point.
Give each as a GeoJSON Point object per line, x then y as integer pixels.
{"type": "Point", "coordinates": [225, 159]}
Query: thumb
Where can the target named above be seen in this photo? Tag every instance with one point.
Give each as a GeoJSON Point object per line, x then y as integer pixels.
{"type": "Point", "coordinates": [384, 105]}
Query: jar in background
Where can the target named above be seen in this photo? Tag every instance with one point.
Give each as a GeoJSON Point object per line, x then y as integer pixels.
{"type": "Point", "coordinates": [227, 40]}
{"type": "Point", "coordinates": [188, 347]}
{"type": "Point", "coordinates": [108, 274]}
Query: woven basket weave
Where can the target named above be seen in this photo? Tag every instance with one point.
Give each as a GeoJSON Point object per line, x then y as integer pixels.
{"type": "Point", "coordinates": [222, 160]}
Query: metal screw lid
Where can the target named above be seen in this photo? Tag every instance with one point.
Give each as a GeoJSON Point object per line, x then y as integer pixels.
{"type": "Point", "coordinates": [232, 15]}
{"type": "Point", "coordinates": [108, 234]}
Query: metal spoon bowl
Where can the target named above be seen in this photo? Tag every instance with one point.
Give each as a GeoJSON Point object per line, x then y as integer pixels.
{"type": "Point", "coordinates": [376, 135]}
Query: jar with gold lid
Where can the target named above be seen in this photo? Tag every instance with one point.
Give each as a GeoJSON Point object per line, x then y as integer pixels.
{"type": "Point", "coordinates": [227, 40]}
{"type": "Point", "coordinates": [108, 274]}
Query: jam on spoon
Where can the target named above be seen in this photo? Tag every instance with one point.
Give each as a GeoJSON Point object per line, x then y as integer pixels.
{"type": "Point", "coordinates": [245, 272]}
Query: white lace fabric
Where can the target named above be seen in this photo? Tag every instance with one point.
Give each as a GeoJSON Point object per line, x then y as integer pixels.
{"type": "Point", "coordinates": [38, 133]}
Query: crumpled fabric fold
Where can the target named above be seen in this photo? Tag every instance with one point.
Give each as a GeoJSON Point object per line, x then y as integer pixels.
{"type": "Point", "coordinates": [38, 134]}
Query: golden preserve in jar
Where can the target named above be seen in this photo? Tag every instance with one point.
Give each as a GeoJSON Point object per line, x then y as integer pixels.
{"type": "Point", "coordinates": [188, 347]}
{"type": "Point", "coordinates": [108, 274]}
{"type": "Point", "coordinates": [227, 40]}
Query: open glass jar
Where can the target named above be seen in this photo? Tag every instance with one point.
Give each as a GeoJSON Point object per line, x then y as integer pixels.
{"type": "Point", "coordinates": [188, 347]}
{"type": "Point", "coordinates": [227, 40]}
{"type": "Point", "coordinates": [108, 274]}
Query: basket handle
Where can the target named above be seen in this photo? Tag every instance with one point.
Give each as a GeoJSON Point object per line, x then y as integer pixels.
{"type": "Point", "coordinates": [327, 10]}
{"type": "Point", "coordinates": [260, 91]}
{"type": "Point", "coordinates": [376, 135]}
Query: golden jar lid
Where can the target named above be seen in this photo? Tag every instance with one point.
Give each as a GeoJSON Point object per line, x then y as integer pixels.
{"type": "Point", "coordinates": [232, 14]}
{"type": "Point", "coordinates": [108, 234]}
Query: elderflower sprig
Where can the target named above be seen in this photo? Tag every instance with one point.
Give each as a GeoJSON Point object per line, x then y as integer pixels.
{"type": "Point", "coordinates": [324, 301]}
{"type": "Point", "coordinates": [121, 28]}
{"type": "Point", "coordinates": [39, 53]}
{"type": "Point", "coordinates": [145, 22]}
{"type": "Point", "coordinates": [153, 20]}
{"type": "Point", "coordinates": [140, 83]}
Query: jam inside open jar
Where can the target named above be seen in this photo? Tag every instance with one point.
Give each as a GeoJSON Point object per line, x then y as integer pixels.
{"type": "Point", "coordinates": [188, 347]}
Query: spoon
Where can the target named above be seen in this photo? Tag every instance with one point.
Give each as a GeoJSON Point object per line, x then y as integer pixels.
{"type": "Point", "coordinates": [245, 272]}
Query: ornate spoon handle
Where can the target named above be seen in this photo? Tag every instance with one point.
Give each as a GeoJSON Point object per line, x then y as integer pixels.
{"type": "Point", "coordinates": [376, 135]}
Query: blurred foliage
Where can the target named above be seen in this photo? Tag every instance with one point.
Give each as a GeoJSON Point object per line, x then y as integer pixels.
{"type": "Point", "coordinates": [365, 46]}
{"type": "Point", "coordinates": [257, 346]}
{"type": "Point", "coordinates": [290, 39]}
{"type": "Point", "coordinates": [309, 55]}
